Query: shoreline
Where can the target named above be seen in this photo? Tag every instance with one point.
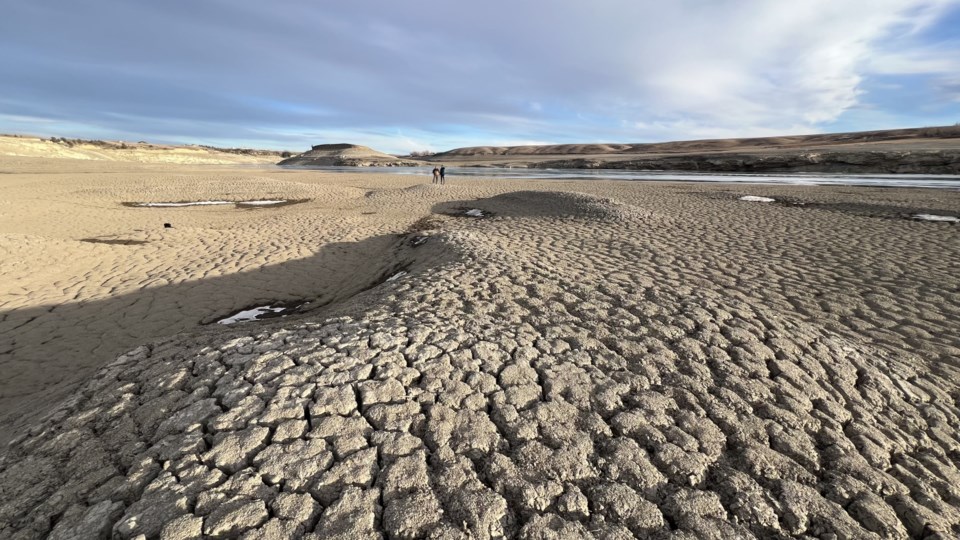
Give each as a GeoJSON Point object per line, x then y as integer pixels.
{"type": "Point", "coordinates": [931, 181]}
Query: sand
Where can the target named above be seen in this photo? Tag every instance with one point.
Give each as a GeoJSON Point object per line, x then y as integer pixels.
{"type": "Point", "coordinates": [605, 359]}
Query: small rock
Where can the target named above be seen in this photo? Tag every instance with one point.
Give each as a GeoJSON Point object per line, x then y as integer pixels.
{"type": "Point", "coordinates": [187, 527]}
{"type": "Point", "coordinates": [231, 521]}
{"type": "Point", "coordinates": [94, 522]}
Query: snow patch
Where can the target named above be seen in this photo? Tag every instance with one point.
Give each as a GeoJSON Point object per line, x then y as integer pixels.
{"type": "Point", "coordinates": [934, 217]}
{"type": "Point", "coordinates": [263, 203]}
{"type": "Point", "coordinates": [177, 204]}
{"type": "Point", "coordinates": [259, 202]}
{"type": "Point", "coordinates": [252, 314]}
{"type": "Point", "coordinates": [754, 198]}
{"type": "Point", "coordinates": [397, 276]}
{"type": "Point", "coordinates": [476, 212]}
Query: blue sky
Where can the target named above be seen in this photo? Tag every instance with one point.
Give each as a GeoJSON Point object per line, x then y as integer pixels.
{"type": "Point", "coordinates": [435, 75]}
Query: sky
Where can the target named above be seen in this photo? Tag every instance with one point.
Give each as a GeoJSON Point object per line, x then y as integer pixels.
{"type": "Point", "coordinates": [435, 75]}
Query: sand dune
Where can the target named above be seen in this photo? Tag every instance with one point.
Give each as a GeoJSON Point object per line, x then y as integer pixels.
{"type": "Point", "coordinates": [588, 359]}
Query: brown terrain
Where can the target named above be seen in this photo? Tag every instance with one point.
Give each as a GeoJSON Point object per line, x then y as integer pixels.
{"type": "Point", "coordinates": [922, 151]}
{"type": "Point", "coordinates": [484, 359]}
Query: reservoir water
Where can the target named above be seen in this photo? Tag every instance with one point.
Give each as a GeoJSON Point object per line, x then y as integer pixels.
{"type": "Point", "coordinates": [941, 181]}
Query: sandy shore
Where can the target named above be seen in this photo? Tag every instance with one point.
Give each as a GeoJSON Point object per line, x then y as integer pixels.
{"type": "Point", "coordinates": [598, 358]}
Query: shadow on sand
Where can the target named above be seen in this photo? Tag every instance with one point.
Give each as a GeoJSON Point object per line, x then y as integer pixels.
{"type": "Point", "coordinates": [46, 351]}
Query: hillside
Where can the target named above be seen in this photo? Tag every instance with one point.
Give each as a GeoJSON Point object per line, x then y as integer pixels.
{"type": "Point", "coordinates": [714, 145]}
{"type": "Point", "coordinates": [142, 152]}
{"type": "Point", "coordinates": [346, 155]}
{"type": "Point", "coordinates": [933, 150]}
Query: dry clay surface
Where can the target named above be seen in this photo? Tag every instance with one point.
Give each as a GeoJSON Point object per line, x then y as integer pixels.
{"type": "Point", "coordinates": [84, 278]}
{"type": "Point", "coordinates": [669, 363]}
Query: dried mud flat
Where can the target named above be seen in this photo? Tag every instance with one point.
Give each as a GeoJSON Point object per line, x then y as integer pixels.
{"type": "Point", "coordinates": [605, 360]}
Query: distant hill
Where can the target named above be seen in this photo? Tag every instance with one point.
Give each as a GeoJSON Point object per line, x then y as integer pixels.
{"type": "Point", "coordinates": [346, 155]}
{"type": "Point", "coordinates": [929, 150]}
{"type": "Point", "coordinates": [143, 152]}
{"type": "Point", "coordinates": [707, 145]}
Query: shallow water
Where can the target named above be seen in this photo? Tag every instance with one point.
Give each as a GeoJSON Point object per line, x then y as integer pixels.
{"type": "Point", "coordinates": [941, 181]}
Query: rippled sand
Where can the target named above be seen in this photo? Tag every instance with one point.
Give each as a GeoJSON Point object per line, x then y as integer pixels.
{"type": "Point", "coordinates": [594, 358]}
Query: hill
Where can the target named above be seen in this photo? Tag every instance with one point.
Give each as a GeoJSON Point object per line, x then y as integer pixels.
{"type": "Point", "coordinates": [143, 152]}
{"type": "Point", "coordinates": [933, 150]}
{"type": "Point", "coordinates": [712, 145]}
{"type": "Point", "coordinates": [346, 155]}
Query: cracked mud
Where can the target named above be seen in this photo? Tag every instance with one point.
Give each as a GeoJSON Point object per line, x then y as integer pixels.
{"type": "Point", "coordinates": [566, 375]}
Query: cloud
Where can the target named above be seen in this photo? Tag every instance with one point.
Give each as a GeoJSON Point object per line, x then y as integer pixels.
{"type": "Point", "coordinates": [447, 72]}
{"type": "Point", "coordinates": [949, 87]}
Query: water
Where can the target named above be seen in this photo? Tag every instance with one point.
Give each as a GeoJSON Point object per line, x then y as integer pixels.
{"type": "Point", "coordinates": [940, 181]}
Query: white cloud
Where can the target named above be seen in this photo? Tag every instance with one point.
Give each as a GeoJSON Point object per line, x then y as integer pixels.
{"type": "Point", "coordinates": [25, 119]}
{"type": "Point", "coordinates": [921, 61]}
{"type": "Point", "coordinates": [949, 87]}
{"type": "Point", "coordinates": [750, 66]}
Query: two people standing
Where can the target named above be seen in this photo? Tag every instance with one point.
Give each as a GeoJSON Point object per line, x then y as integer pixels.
{"type": "Point", "coordinates": [439, 174]}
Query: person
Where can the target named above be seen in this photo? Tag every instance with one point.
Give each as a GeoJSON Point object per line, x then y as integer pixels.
{"type": "Point", "coordinates": [442, 173]}
{"type": "Point", "coordinates": [436, 175]}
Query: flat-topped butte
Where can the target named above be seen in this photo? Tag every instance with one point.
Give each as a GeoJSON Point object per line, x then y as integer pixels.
{"type": "Point", "coordinates": [346, 155]}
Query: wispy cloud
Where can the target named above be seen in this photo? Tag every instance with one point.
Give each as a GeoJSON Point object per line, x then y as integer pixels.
{"type": "Point", "coordinates": [950, 88]}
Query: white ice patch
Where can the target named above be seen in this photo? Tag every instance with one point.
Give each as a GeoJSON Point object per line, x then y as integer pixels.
{"type": "Point", "coordinates": [476, 212]}
{"type": "Point", "coordinates": [251, 314]}
{"type": "Point", "coordinates": [397, 276]}
{"type": "Point", "coordinates": [934, 217]}
{"type": "Point", "coordinates": [262, 203]}
{"type": "Point", "coordinates": [754, 198]}
{"type": "Point", "coordinates": [175, 204]}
